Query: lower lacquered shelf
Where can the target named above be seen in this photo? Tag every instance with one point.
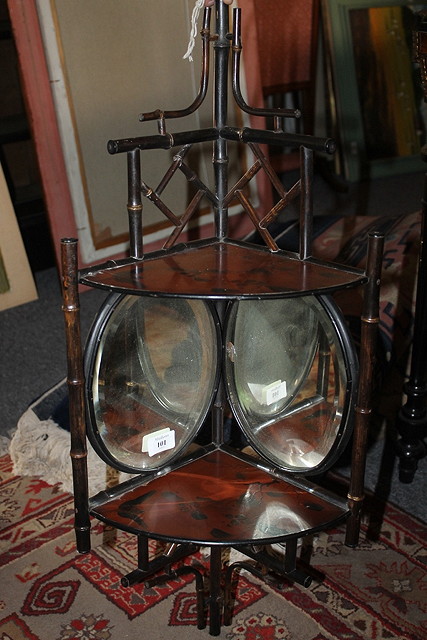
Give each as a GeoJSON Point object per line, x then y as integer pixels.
{"type": "Point", "coordinates": [221, 499]}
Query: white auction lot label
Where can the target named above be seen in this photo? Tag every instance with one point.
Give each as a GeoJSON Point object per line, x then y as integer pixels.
{"type": "Point", "coordinates": [158, 441]}
{"type": "Point", "coordinates": [270, 393]}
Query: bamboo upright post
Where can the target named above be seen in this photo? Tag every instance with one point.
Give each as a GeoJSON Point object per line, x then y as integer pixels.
{"type": "Point", "coordinates": [369, 329]}
{"type": "Point", "coordinates": [75, 382]}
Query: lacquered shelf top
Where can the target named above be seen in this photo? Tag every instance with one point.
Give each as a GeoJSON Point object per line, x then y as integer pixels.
{"type": "Point", "coordinates": [223, 270]}
{"type": "Point", "coordinates": [220, 499]}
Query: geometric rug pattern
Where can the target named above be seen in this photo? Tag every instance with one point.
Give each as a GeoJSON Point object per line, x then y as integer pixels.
{"type": "Point", "coordinates": [49, 592]}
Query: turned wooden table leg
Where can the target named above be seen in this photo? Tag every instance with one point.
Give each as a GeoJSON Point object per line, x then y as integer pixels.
{"type": "Point", "coordinates": [412, 418]}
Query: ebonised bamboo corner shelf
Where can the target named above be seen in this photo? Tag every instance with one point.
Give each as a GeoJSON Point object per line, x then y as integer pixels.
{"type": "Point", "coordinates": [200, 331]}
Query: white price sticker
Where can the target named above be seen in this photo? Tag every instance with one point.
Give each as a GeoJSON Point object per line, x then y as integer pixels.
{"type": "Point", "coordinates": [270, 393]}
{"type": "Point", "coordinates": [158, 441]}
{"type": "Point", "coordinates": [274, 392]}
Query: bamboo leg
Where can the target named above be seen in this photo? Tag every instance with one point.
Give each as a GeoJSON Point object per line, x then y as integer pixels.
{"type": "Point", "coordinates": [370, 320]}
{"type": "Point", "coordinates": [75, 381]}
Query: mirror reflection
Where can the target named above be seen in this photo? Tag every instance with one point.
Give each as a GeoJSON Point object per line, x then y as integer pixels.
{"type": "Point", "coordinates": [287, 379]}
{"type": "Point", "coordinates": [154, 370]}
{"type": "Point", "coordinates": [153, 378]}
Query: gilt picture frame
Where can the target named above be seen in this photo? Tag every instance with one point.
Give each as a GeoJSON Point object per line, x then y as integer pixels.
{"type": "Point", "coordinates": [376, 103]}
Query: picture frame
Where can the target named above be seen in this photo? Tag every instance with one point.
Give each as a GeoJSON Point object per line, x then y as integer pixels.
{"type": "Point", "coordinates": [89, 69]}
{"type": "Point", "coordinates": [17, 284]}
{"type": "Point", "coordinates": [376, 105]}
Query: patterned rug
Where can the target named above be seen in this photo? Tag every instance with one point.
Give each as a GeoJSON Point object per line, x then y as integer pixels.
{"type": "Point", "coordinates": [48, 592]}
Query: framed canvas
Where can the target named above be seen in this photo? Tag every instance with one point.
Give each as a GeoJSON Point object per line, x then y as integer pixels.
{"type": "Point", "coordinates": [16, 279]}
{"type": "Point", "coordinates": [100, 63]}
{"type": "Point", "coordinates": [377, 103]}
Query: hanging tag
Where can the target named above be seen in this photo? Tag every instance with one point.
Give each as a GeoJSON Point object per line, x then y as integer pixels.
{"type": "Point", "coordinates": [194, 17]}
